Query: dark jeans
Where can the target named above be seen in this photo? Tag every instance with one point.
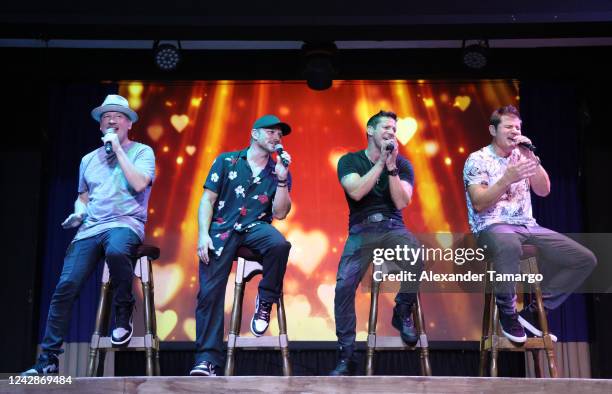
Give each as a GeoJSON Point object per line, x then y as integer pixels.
{"type": "Point", "coordinates": [266, 241]}
{"type": "Point", "coordinates": [356, 258]}
{"type": "Point", "coordinates": [563, 262]}
{"type": "Point", "coordinates": [118, 246]}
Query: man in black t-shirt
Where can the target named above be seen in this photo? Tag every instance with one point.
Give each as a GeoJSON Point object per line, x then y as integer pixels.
{"type": "Point", "coordinates": [378, 184]}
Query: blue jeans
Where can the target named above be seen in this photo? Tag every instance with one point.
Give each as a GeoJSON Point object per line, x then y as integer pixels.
{"type": "Point", "coordinates": [355, 260]}
{"type": "Point", "coordinates": [266, 241]}
{"type": "Point", "coordinates": [118, 246]}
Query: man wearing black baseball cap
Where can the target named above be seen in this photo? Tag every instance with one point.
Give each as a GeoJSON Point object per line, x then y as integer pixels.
{"type": "Point", "coordinates": [243, 192]}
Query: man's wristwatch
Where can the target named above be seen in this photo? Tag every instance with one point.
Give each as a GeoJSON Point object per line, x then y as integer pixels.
{"type": "Point", "coordinates": [394, 172]}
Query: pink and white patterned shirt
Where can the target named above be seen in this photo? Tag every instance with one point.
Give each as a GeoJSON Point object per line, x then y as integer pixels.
{"type": "Point", "coordinates": [485, 167]}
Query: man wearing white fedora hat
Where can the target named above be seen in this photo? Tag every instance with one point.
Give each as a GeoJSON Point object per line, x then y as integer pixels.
{"type": "Point", "coordinates": [110, 212]}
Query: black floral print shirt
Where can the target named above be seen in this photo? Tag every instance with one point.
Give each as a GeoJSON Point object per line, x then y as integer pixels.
{"type": "Point", "coordinates": [243, 200]}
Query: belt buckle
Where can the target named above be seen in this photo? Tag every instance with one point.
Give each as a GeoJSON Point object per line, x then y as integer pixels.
{"type": "Point", "coordinates": [375, 218]}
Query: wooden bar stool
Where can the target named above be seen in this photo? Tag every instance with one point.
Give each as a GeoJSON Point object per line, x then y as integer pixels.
{"type": "Point", "coordinates": [395, 342]}
{"type": "Point", "coordinates": [494, 341]}
{"type": "Point", "coordinates": [249, 265]}
{"type": "Point", "coordinates": [149, 342]}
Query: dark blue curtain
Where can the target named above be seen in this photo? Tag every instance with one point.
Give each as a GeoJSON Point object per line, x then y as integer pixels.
{"type": "Point", "coordinates": [71, 134]}
{"type": "Point", "coordinates": [551, 118]}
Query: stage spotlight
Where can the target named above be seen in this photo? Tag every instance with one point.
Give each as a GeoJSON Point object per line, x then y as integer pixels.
{"type": "Point", "coordinates": [475, 55]}
{"type": "Point", "coordinates": [319, 70]}
{"type": "Point", "coordinates": [167, 56]}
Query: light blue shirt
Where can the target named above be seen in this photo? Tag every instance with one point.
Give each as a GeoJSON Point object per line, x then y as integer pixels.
{"type": "Point", "coordinates": [112, 201]}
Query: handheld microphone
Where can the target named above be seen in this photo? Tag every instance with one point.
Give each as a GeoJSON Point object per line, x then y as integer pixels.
{"type": "Point", "coordinates": [108, 147]}
{"type": "Point", "coordinates": [390, 147]}
{"type": "Point", "coordinates": [528, 146]}
{"type": "Point", "coordinates": [279, 149]}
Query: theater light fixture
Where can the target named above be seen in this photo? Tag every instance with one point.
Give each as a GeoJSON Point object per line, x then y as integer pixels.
{"type": "Point", "coordinates": [167, 56]}
{"type": "Point", "coordinates": [475, 55]}
{"type": "Point", "coordinates": [319, 69]}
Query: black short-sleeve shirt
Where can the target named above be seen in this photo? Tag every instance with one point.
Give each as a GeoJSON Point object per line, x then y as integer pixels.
{"type": "Point", "coordinates": [378, 200]}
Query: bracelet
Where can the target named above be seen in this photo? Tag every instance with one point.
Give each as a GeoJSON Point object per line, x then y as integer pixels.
{"type": "Point", "coordinates": [281, 185]}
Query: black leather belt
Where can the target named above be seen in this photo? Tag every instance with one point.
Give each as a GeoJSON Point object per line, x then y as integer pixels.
{"type": "Point", "coordinates": [375, 218]}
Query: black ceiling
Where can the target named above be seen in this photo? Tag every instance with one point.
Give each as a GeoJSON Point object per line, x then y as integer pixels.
{"type": "Point", "coordinates": [305, 20]}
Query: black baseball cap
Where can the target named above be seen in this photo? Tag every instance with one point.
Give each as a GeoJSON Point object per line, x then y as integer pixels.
{"type": "Point", "coordinates": [271, 120]}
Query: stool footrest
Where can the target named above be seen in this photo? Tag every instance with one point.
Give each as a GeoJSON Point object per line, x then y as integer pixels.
{"type": "Point", "coordinates": [261, 342]}
{"type": "Point", "coordinates": [506, 344]}
{"type": "Point", "coordinates": [140, 343]}
{"type": "Point", "coordinates": [389, 343]}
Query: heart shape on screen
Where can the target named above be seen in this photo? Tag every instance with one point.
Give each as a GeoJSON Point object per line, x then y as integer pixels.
{"type": "Point", "coordinates": [190, 149]}
{"type": "Point", "coordinates": [179, 122]}
{"type": "Point", "coordinates": [406, 128]}
{"type": "Point", "coordinates": [155, 132]}
{"type": "Point", "coordinates": [189, 327]}
{"type": "Point", "coordinates": [462, 102]}
{"type": "Point", "coordinates": [308, 249]}
{"type": "Point", "coordinates": [166, 321]}
{"type": "Point", "coordinates": [326, 294]}
{"type": "Point", "coordinates": [168, 280]}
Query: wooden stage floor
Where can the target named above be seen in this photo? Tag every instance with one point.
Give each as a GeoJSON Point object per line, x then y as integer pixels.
{"type": "Point", "coordinates": [315, 384]}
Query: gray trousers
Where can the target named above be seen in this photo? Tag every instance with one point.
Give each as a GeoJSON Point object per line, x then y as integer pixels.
{"type": "Point", "coordinates": [563, 262]}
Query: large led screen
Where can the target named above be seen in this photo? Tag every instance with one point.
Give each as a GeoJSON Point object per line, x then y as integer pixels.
{"type": "Point", "coordinates": [188, 124]}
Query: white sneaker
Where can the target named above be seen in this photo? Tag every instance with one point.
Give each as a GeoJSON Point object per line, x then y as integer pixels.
{"type": "Point", "coordinates": [122, 335]}
{"type": "Point", "coordinates": [261, 317]}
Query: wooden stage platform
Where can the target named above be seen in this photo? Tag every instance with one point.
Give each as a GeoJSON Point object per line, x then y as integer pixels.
{"type": "Point", "coordinates": [315, 384]}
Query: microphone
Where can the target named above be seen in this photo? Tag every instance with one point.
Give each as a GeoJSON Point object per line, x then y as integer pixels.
{"type": "Point", "coordinates": [108, 147]}
{"type": "Point", "coordinates": [390, 147]}
{"type": "Point", "coordinates": [279, 149]}
{"type": "Point", "coordinates": [528, 146]}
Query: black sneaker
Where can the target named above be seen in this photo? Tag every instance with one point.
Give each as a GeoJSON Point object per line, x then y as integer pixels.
{"type": "Point", "coordinates": [345, 367]}
{"type": "Point", "coordinates": [261, 317]}
{"type": "Point", "coordinates": [528, 318]}
{"type": "Point", "coordinates": [203, 368]}
{"type": "Point", "coordinates": [47, 364]}
{"type": "Point", "coordinates": [124, 326]}
{"type": "Point", "coordinates": [511, 327]}
{"type": "Point", "coordinates": [402, 321]}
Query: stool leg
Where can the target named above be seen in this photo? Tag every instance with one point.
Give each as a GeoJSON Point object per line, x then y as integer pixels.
{"type": "Point", "coordinates": [149, 313]}
{"type": "Point", "coordinates": [536, 363]}
{"type": "Point", "coordinates": [493, 336]}
{"type": "Point", "coordinates": [417, 314]}
{"type": "Point", "coordinates": [154, 321]}
{"type": "Point", "coordinates": [154, 338]}
{"type": "Point", "coordinates": [486, 330]}
{"type": "Point", "coordinates": [157, 369]}
{"type": "Point", "coordinates": [282, 336]}
{"type": "Point", "coordinates": [548, 343]}
{"type": "Point", "coordinates": [371, 347]}
{"type": "Point", "coordinates": [234, 326]}
{"type": "Point", "coordinates": [99, 330]}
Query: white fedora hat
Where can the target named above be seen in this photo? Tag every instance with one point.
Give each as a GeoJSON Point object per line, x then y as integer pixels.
{"type": "Point", "coordinates": [115, 103]}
